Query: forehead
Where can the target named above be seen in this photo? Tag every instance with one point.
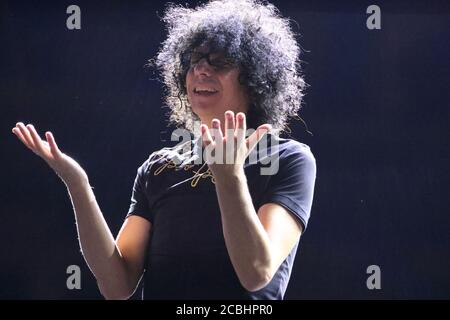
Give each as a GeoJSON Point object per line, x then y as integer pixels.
{"type": "Point", "coordinates": [206, 49]}
{"type": "Point", "coordinates": [202, 49]}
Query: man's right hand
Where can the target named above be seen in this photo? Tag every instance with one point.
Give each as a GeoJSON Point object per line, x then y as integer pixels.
{"type": "Point", "coordinates": [64, 166]}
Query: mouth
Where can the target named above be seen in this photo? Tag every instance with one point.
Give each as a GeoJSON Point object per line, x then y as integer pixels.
{"type": "Point", "coordinates": [205, 91]}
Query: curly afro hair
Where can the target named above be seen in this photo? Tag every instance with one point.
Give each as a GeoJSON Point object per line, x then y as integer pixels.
{"type": "Point", "coordinates": [256, 37]}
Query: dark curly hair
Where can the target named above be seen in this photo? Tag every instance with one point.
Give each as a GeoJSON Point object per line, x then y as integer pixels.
{"type": "Point", "coordinates": [256, 37]}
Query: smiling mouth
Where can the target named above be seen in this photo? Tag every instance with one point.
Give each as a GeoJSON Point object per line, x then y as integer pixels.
{"type": "Point", "coordinates": [205, 91]}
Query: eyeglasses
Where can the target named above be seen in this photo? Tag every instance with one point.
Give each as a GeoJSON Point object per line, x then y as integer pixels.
{"type": "Point", "coordinates": [214, 59]}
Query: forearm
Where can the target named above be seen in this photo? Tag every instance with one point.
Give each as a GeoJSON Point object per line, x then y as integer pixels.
{"type": "Point", "coordinates": [97, 243]}
{"type": "Point", "coordinates": [247, 242]}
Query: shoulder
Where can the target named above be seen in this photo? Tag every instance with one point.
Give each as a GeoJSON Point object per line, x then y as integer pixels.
{"type": "Point", "coordinates": [276, 154]}
{"type": "Point", "coordinates": [290, 146]}
{"type": "Point", "coordinates": [290, 150]}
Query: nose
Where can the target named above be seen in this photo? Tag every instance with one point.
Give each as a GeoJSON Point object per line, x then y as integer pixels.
{"type": "Point", "coordinates": [203, 67]}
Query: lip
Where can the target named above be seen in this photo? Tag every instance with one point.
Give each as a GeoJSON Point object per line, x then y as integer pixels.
{"type": "Point", "coordinates": [204, 93]}
{"type": "Point", "coordinates": [202, 89]}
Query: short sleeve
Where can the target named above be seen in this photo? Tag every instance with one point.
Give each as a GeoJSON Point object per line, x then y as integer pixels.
{"type": "Point", "coordinates": [139, 198]}
{"type": "Point", "coordinates": [293, 185]}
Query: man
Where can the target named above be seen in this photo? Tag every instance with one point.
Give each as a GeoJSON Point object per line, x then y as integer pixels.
{"type": "Point", "coordinates": [203, 221]}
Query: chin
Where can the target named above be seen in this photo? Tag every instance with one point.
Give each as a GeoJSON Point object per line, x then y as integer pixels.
{"type": "Point", "coordinates": [203, 109]}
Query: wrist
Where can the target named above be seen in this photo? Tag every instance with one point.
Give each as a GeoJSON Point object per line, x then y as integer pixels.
{"type": "Point", "coordinates": [231, 178]}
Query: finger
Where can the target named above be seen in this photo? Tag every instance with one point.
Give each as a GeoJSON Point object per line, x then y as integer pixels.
{"type": "Point", "coordinates": [256, 136]}
{"type": "Point", "coordinates": [53, 146]}
{"type": "Point", "coordinates": [19, 135]}
{"type": "Point", "coordinates": [241, 128]}
{"type": "Point", "coordinates": [206, 136]}
{"type": "Point", "coordinates": [26, 135]}
{"type": "Point", "coordinates": [229, 125]}
{"type": "Point", "coordinates": [216, 131]}
{"type": "Point", "coordinates": [36, 139]}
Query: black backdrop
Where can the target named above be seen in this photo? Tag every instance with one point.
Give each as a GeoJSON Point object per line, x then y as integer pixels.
{"type": "Point", "coordinates": [377, 106]}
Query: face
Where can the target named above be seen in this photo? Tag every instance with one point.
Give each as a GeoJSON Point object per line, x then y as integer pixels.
{"type": "Point", "coordinates": [212, 85]}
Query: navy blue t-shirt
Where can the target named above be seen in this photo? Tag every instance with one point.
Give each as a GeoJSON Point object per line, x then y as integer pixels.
{"type": "Point", "coordinates": [187, 257]}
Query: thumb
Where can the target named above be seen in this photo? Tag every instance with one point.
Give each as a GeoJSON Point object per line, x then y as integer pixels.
{"type": "Point", "coordinates": [52, 143]}
{"type": "Point", "coordinates": [258, 135]}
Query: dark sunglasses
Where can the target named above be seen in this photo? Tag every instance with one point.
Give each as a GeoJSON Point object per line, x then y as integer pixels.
{"type": "Point", "coordinates": [214, 59]}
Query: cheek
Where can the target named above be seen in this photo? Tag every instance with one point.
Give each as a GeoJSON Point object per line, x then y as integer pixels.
{"type": "Point", "coordinates": [231, 83]}
{"type": "Point", "coordinates": [188, 85]}
{"type": "Point", "coordinates": [238, 89]}
{"type": "Point", "coordinates": [188, 80]}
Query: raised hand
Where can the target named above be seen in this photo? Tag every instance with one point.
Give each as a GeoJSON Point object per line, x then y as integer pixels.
{"type": "Point", "coordinates": [64, 166]}
{"type": "Point", "coordinates": [230, 150]}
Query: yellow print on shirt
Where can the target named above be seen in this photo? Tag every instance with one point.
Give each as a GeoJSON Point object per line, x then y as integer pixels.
{"type": "Point", "coordinates": [198, 174]}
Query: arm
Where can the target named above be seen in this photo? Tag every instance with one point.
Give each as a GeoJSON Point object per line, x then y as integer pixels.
{"type": "Point", "coordinates": [114, 269]}
{"type": "Point", "coordinates": [257, 243]}
{"type": "Point", "coordinates": [117, 265]}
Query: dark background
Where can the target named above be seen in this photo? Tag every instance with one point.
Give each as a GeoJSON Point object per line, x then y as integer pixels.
{"type": "Point", "coordinates": [377, 106]}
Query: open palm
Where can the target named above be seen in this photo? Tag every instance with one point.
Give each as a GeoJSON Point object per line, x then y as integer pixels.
{"type": "Point", "coordinates": [66, 168]}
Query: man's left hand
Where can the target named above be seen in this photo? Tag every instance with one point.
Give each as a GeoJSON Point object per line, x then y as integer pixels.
{"type": "Point", "coordinates": [226, 153]}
